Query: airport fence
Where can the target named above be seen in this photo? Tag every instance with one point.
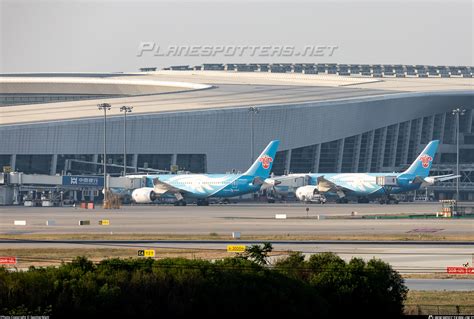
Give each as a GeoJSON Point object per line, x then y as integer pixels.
{"type": "Point", "coordinates": [413, 309]}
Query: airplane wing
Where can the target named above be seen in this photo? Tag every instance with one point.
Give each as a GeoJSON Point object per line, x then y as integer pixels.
{"type": "Point", "coordinates": [284, 180]}
{"type": "Point", "coordinates": [325, 185]}
{"type": "Point", "coordinates": [443, 178]}
{"type": "Point", "coordinates": [160, 188]}
{"type": "Point", "coordinates": [431, 180]}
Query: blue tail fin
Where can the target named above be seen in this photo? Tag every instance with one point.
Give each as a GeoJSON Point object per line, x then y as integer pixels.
{"type": "Point", "coordinates": [263, 165]}
{"type": "Point", "coordinates": [422, 165]}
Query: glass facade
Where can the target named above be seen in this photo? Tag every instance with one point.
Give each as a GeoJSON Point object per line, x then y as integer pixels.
{"type": "Point", "coordinates": [64, 164]}
{"type": "Point", "coordinates": [194, 163]}
{"type": "Point", "coordinates": [4, 160]}
{"type": "Point", "coordinates": [279, 164]}
{"type": "Point", "coordinates": [364, 149]}
{"type": "Point", "coordinates": [155, 161]}
{"type": "Point", "coordinates": [302, 159]}
{"type": "Point", "coordinates": [33, 164]}
{"type": "Point", "coordinates": [328, 157]}
{"type": "Point", "coordinates": [348, 156]}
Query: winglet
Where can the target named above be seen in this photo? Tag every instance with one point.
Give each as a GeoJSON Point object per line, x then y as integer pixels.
{"type": "Point", "coordinates": [263, 164]}
{"type": "Point", "coordinates": [422, 165]}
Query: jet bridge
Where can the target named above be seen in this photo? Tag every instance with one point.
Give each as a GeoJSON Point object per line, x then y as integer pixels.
{"type": "Point", "coordinates": [50, 190]}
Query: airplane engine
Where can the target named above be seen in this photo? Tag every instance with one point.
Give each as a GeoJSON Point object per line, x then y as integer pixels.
{"type": "Point", "coordinates": [429, 180]}
{"type": "Point", "coordinates": [144, 195]}
{"type": "Point", "coordinates": [304, 193]}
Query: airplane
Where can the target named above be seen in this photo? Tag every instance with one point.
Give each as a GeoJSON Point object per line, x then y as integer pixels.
{"type": "Point", "coordinates": [365, 185]}
{"type": "Point", "coordinates": [204, 186]}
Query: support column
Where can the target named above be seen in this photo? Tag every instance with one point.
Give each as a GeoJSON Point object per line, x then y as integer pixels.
{"type": "Point", "coordinates": [13, 162]}
{"type": "Point", "coordinates": [54, 163]}
{"type": "Point", "coordinates": [393, 152]}
{"type": "Point", "coordinates": [317, 156]}
{"type": "Point", "coordinates": [135, 162]}
{"type": "Point", "coordinates": [431, 125]}
{"type": "Point", "coordinates": [370, 148]}
{"type": "Point", "coordinates": [469, 115]}
{"type": "Point", "coordinates": [340, 154]}
{"type": "Point", "coordinates": [95, 159]}
{"type": "Point", "coordinates": [443, 124]}
{"type": "Point", "coordinates": [383, 143]}
{"type": "Point", "coordinates": [404, 158]}
{"type": "Point", "coordinates": [419, 128]}
{"type": "Point", "coordinates": [356, 153]}
{"type": "Point", "coordinates": [288, 161]}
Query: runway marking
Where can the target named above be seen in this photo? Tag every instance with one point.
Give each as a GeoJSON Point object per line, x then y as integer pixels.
{"type": "Point", "coordinates": [425, 230]}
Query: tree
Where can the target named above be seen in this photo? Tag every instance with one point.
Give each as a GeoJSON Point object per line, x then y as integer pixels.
{"type": "Point", "coordinates": [258, 254]}
{"type": "Point", "coordinates": [293, 266]}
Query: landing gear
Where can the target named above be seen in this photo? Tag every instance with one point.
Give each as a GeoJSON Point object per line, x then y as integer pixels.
{"type": "Point", "coordinates": [202, 202]}
{"type": "Point", "coordinates": [180, 202]}
{"type": "Point", "coordinates": [388, 201]}
{"type": "Point", "coordinates": [388, 198]}
{"type": "Point", "coordinates": [342, 200]}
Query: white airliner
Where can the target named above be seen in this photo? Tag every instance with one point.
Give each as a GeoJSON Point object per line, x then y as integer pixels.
{"type": "Point", "coordinates": [365, 185]}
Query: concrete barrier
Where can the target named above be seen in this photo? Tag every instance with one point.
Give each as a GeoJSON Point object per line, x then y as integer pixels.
{"type": "Point", "coordinates": [280, 216]}
{"type": "Point", "coordinates": [84, 222]}
{"type": "Point", "coordinates": [19, 223]}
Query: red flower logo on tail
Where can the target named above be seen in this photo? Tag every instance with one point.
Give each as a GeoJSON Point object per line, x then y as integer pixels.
{"type": "Point", "coordinates": [265, 160]}
{"type": "Point", "coordinates": [425, 160]}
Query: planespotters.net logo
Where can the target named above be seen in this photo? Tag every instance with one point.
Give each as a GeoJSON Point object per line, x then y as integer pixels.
{"type": "Point", "coordinates": [266, 160]}
{"type": "Point", "coordinates": [425, 160]}
{"type": "Point", "coordinates": [150, 48]}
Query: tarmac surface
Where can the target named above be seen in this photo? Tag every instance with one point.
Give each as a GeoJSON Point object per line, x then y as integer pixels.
{"type": "Point", "coordinates": [440, 284]}
{"type": "Point", "coordinates": [249, 219]}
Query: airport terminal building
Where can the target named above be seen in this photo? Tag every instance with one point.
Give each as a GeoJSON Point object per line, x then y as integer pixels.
{"type": "Point", "coordinates": [329, 118]}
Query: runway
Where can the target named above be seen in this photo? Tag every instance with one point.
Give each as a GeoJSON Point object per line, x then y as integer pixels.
{"type": "Point", "coordinates": [249, 219]}
{"type": "Point", "coordinates": [440, 284]}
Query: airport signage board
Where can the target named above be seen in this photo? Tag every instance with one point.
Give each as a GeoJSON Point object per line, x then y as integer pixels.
{"type": "Point", "coordinates": [7, 260]}
{"type": "Point", "coordinates": [146, 253]}
{"type": "Point", "coordinates": [460, 270]}
{"type": "Point", "coordinates": [236, 248]}
{"type": "Point", "coordinates": [84, 181]}
{"type": "Point", "coordinates": [104, 222]}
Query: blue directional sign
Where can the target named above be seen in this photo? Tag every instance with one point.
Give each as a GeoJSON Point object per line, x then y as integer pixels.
{"type": "Point", "coordinates": [85, 181]}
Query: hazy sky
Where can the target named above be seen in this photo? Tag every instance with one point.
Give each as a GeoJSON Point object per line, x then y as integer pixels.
{"type": "Point", "coordinates": [83, 36]}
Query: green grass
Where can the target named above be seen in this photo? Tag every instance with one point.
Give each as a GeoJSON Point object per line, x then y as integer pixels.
{"type": "Point", "coordinates": [440, 302]}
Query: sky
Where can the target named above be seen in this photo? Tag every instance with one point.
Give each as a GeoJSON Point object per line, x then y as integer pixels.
{"type": "Point", "coordinates": [106, 36]}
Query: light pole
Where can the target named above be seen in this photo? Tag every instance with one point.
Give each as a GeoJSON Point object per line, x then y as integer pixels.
{"type": "Point", "coordinates": [457, 112]}
{"type": "Point", "coordinates": [105, 107]}
{"type": "Point", "coordinates": [125, 109]}
{"type": "Point", "coordinates": [253, 110]}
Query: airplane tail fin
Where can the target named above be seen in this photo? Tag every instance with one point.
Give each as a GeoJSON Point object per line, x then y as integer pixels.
{"type": "Point", "coordinates": [422, 165]}
{"type": "Point", "coordinates": [263, 164]}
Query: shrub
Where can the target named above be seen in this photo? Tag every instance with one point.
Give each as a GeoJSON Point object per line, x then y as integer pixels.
{"type": "Point", "coordinates": [323, 286]}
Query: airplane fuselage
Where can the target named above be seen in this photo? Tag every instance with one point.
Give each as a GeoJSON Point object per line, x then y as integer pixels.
{"type": "Point", "coordinates": [364, 184]}
{"type": "Point", "coordinates": [208, 185]}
